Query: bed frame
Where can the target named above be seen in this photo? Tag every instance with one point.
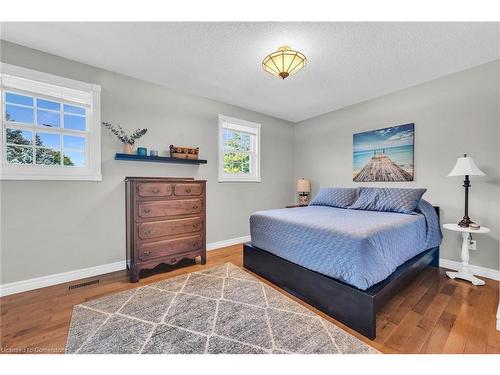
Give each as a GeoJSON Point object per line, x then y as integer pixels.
{"type": "Point", "coordinates": [354, 307]}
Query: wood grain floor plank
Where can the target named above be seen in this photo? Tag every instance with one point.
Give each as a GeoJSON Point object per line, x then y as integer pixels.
{"type": "Point", "coordinates": [422, 330]}
{"type": "Point", "coordinates": [426, 300]}
{"type": "Point", "coordinates": [415, 291]}
{"type": "Point", "coordinates": [443, 327]}
{"type": "Point", "coordinates": [481, 324]}
{"type": "Point", "coordinates": [385, 328]}
{"type": "Point", "coordinates": [458, 336]}
{"type": "Point", "coordinates": [404, 330]}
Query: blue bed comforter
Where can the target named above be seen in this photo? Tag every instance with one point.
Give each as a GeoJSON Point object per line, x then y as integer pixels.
{"type": "Point", "coordinates": [360, 248]}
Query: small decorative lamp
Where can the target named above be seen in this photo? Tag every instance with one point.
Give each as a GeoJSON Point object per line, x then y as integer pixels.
{"type": "Point", "coordinates": [304, 189]}
{"type": "Point", "coordinates": [466, 167]}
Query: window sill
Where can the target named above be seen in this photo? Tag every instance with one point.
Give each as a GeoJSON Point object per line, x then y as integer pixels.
{"type": "Point", "coordinates": [258, 180]}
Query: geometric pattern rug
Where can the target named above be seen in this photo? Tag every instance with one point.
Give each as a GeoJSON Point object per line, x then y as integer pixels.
{"type": "Point", "coordinates": [222, 309]}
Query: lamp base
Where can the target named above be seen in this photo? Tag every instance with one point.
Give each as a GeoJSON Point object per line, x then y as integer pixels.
{"type": "Point", "coordinates": [303, 199]}
{"type": "Point", "coordinates": [465, 222]}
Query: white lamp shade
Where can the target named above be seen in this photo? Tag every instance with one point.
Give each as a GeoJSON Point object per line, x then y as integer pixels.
{"type": "Point", "coordinates": [303, 186]}
{"type": "Point", "coordinates": [466, 166]}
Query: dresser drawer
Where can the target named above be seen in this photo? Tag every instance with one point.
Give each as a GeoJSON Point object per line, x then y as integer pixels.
{"type": "Point", "coordinates": [169, 227]}
{"type": "Point", "coordinates": [187, 189]}
{"type": "Point", "coordinates": [169, 247]}
{"type": "Point", "coordinates": [154, 189]}
{"type": "Point", "coordinates": [150, 209]}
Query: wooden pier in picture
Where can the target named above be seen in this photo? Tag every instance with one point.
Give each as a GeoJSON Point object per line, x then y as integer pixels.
{"type": "Point", "coordinates": [382, 168]}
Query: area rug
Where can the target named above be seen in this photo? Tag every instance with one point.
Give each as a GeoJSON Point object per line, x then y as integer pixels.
{"type": "Point", "coordinates": [222, 309]}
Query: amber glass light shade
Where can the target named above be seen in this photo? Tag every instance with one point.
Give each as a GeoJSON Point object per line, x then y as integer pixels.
{"type": "Point", "coordinates": [284, 62]}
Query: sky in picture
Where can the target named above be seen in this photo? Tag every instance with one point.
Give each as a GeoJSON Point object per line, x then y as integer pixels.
{"type": "Point", "coordinates": [395, 136]}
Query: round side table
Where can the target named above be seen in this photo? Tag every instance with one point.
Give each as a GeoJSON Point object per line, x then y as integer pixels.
{"type": "Point", "coordinates": [464, 271]}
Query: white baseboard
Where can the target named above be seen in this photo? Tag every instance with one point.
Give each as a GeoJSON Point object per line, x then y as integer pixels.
{"type": "Point", "coordinates": [476, 270]}
{"type": "Point", "coordinates": [224, 243]}
{"type": "Point", "coordinates": [59, 278]}
{"type": "Point", "coordinates": [64, 277]}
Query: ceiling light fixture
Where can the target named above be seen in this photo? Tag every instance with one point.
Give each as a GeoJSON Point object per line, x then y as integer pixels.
{"type": "Point", "coordinates": [284, 62]}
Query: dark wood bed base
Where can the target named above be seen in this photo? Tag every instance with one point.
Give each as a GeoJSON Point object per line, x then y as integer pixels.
{"type": "Point", "coordinates": [354, 307]}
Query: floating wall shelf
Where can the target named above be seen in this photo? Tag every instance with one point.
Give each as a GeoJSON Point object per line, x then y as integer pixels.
{"type": "Point", "coordinates": [157, 159]}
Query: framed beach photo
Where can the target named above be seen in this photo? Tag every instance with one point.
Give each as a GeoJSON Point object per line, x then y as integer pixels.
{"type": "Point", "coordinates": [384, 154]}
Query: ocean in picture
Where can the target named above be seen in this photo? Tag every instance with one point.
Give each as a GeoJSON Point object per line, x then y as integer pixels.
{"type": "Point", "coordinates": [384, 154]}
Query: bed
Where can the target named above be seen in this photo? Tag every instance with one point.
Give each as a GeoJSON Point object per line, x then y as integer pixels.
{"type": "Point", "coordinates": [343, 261]}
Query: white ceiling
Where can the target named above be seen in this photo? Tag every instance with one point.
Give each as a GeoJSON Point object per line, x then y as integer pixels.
{"type": "Point", "coordinates": [347, 62]}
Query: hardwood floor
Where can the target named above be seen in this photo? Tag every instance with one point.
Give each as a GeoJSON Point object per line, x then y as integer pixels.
{"type": "Point", "coordinates": [432, 315]}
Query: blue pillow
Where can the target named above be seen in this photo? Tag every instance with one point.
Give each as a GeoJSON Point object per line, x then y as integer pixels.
{"type": "Point", "coordinates": [388, 199]}
{"type": "Point", "coordinates": [335, 197]}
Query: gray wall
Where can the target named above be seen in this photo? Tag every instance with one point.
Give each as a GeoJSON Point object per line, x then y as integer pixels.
{"type": "Point", "coordinates": [453, 115]}
{"type": "Point", "coordinates": [56, 226]}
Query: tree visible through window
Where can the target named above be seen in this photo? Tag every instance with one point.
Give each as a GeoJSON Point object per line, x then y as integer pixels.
{"type": "Point", "coordinates": [51, 126]}
{"type": "Point", "coordinates": [44, 132]}
{"type": "Point", "coordinates": [239, 150]}
{"type": "Point", "coordinates": [236, 162]}
{"type": "Point", "coordinates": [24, 155]}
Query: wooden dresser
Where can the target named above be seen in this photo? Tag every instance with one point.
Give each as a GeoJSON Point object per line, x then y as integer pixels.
{"type": "Point", "coordinates": [165, 221]}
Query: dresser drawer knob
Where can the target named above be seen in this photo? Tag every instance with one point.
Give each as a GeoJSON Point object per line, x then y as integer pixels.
{"type": "Point", "coordinates": [195, 207]}
{"type": "Point", "coordinates": [147, 231]}
{"type": "Point", "coordinates": [147, 252]}
{"type": "Point", "coordinates": [196, 226]}
{"type": "Point", "coordinates": [188, 190]}
{"type": "Point", "coordinates": [196, 244]}
{"type": "Point", "coordinates": [156, 191]}
{"type": "Point", "coordinates": [147, 210]}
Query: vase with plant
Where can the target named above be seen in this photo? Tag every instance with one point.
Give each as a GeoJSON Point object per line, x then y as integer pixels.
{"type": "Point", "coordinates": [127, 140]}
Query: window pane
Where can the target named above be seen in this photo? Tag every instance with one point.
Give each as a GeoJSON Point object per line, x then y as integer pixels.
{"type": "Point", "coordinates": [245, 166]}
{"type": "Point", "coordinates": [236, 167]}
{"type": "Point", "coordinates": [19, 137]}
{"type": "Point", "coordinates": [48, 140]}
{"type": "Point", "coordinates": [245, 142]}
{"type": "Point", "coordinates": [47, 118]}
{"type": "Point", "coordinates": [228, 163]}
{"type": "Point", "coordinates": [74, 143]}
{"type": "Point", "coordinates": [227, 135]}
{"type": "Point", "coordinates": [10, 97]}
{"type": "Point", "coordinates": [19, 155]}
{"type": "Point", "coordinates": [73, 109]}
{"type": "Point", "coordinates": [42, 103]}
{"type": "Point", "coordinates": [18, 114]}
{"type": "Point", "coordinates": [228, 167]}
{"type": "Point", "coordinates": [236, 141]}
{"type": "Point", "coordinates": [236, 163]}
{"type": "Point", "coordinates": [74, 122]}
{"type": "Point", "coordinates": [48, 157]}
{"type": "Point", "coordinates": [74, 158]}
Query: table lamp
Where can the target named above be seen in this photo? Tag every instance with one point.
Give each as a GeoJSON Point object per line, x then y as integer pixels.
{"type": "Point", "coordinates": [304, 189]}
{"type": "Point", "coordinates": [465, 166]}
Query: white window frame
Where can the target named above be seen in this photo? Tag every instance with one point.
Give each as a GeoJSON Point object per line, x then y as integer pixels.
{"type": "Point", "coordinates": [252, 128]}
{"type": "Point", "coordinates": [47, 86]}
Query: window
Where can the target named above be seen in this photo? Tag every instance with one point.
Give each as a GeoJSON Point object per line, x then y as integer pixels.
{"type": "Point", "coordinates": [50, 127]}
{"type": "Point", "coordinates": [239, 150]}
